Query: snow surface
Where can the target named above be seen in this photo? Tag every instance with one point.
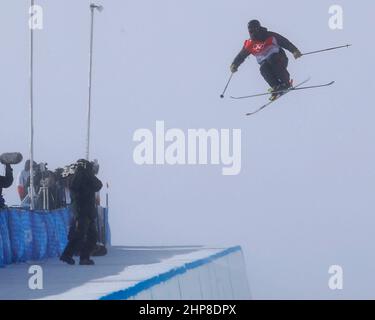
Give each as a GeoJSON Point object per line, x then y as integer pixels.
{"type": "Point", "coordinates": [122, 268]}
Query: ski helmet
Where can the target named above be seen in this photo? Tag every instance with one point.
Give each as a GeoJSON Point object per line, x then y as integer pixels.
{"type": "Point", "coordinates": [253, 25]}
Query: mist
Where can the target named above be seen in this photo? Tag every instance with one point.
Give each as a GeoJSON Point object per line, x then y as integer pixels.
{"type": "Point", "coordinates": [303, 200]}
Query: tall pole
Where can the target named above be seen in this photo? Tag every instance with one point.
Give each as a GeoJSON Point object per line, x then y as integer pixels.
{"type": "Point", "coordinates": [31, 26]}
{"type": "Point", "coordinates": [92, 8]}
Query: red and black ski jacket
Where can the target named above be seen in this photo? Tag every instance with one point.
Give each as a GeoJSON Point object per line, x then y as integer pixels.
{"type": "Point", "coordinates": [264, 45]}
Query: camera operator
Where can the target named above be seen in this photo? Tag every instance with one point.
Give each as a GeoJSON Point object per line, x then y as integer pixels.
{"type": "Point", "coordinates": [83, 185]}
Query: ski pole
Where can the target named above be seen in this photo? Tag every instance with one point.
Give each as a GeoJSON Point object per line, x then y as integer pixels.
{"type": "Point", "coordinates": [328, 49]}
{"type": "Point", "coordinates": [225, 89]}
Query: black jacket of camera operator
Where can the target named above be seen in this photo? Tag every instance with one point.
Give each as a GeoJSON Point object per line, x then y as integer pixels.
{"type": "Point", "coordinates": [83, 185]}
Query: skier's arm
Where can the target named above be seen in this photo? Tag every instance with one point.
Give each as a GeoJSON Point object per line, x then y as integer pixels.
{"type": "Point", "coordinates": [7, 180]}
{"type": "Point", "coordinates": [286, 44]}
{"type": "Point", "coordinates": [239, 59]}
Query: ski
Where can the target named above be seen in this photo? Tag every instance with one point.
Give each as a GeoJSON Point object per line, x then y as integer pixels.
{"type": "Point", "coordinates": [281, 91]}
{"type": "Point", "coordinates": [284, 93]}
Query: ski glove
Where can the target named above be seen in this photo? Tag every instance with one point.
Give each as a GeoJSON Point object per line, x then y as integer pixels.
{"type": "Point", "coordinates": [233, 68]}
{"type": "Point", "coordinates": [297, 54]}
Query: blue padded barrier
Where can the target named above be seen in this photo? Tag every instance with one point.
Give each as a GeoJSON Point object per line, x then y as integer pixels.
{"type": "Point", "coordinates": [32, 235]}
{"type": "Point", "coordinates": [1, 252]}
{"type": "Point", "coordinates": [61, 231]}
{"type": "Point", "coordinates": [40, 237]}
{"type": "Point", "coordinates": [21, 235]}
{"type": "Point", "coordinates": [35, 235]}
{"type": "Point", "coordinates": [5, 238]}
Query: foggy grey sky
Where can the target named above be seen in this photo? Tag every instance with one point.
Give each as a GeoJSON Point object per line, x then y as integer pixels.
{"type": "Point", "coordinates": [304, 198]}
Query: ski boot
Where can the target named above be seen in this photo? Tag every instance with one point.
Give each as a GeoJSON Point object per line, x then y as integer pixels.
{"type": "Point", "coordinates": [279, 90]}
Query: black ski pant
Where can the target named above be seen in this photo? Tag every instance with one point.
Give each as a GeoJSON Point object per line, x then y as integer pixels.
{"type": "Point", "coordinates": [274, 69]}
{"type": "Point", "coordinates": [82, 237]}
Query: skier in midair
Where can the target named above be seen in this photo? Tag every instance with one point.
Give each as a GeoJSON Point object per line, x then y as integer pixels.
{"type": "Point", "coordinates": [268, 48]}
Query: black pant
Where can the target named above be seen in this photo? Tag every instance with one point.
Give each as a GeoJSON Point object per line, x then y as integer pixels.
{"type": "Point", "coordinates": [82, 237]}
{"type": "Point", "coordinates": [274, 69]}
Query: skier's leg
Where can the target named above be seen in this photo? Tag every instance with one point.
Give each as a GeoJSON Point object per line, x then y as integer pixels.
{"type": "Point", "coordinates": [284, 75]}
{"type": "Point", "coordinates": [279, 64]}
{"type": "Point", "coordinates": [268, 74]}
{"type": "Point", "coordinates": [277, 69]}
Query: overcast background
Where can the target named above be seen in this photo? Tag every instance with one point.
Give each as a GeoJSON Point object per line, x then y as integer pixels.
{"type": "Point", "coordinates": [304, 198]}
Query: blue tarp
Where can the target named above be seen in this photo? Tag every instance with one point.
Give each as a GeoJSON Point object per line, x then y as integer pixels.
{"type": "Point", "coordinates": [32, 235]}
{"type": "Point", "coordinates": [5, 247]}
{"type": "Point", "coordinates": [35, 235]}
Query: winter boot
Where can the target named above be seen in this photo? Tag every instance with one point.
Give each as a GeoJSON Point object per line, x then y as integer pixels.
{"type": "Point", "coordinates": [68, 260]}
{"type": "Point", "coordinates": [86, 262]}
